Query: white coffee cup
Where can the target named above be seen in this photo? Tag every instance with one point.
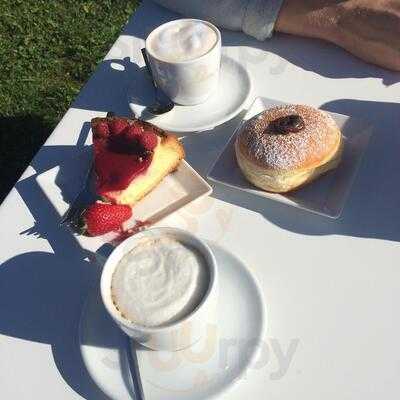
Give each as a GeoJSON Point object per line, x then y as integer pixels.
{"type": "Point", "coordinates": [186, 82]}
{"type": "Point", "coordinates": [176, 335]}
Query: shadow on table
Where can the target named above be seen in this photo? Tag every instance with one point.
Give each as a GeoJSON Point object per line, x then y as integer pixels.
{"type": "Point", "coordinates": [42, 293]}
{"type": "Point", "coordinates": [311, 55]}
{"type": "Point", "coordinates": [372, 207]}
{"type": "Point", "coordinates": [110, 86]}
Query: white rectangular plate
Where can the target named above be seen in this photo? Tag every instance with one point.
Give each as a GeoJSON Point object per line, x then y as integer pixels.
{"type": "Point", "coordinates": [325, 196]}
{"type": "Point", "coordinates": [175, 191]}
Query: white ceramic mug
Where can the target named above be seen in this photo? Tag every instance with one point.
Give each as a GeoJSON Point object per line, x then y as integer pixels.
{"type": "Point", "coordinates": [188, 82]}
{"type": "Point", "coordinates": [177, 335]}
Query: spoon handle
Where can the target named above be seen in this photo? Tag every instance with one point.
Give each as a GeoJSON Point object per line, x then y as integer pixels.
{"type": "Point", "coordinates": [134, 370]}
{"type": "Point", "coordinates": [146, 61]}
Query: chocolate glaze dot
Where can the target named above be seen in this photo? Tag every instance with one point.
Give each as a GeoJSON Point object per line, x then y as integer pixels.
{"type": "Point", "coordinates": [288, 124]}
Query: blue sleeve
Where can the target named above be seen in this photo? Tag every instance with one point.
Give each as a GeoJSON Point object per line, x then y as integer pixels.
{"type": "Point", "coordinates": [254, 17]}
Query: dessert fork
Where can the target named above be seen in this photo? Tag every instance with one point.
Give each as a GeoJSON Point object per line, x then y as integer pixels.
{"type": "Point", "coordinates": [85, 197]}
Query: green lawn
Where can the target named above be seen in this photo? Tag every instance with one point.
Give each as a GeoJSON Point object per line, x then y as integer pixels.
{"type": "Point", "coordinates": [48, 49]}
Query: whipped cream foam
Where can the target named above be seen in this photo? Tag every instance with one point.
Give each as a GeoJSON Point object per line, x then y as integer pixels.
{"type": "Point", "coordinates": [182, 40]}
{"type": "Point", "coordinates": [159, 281]}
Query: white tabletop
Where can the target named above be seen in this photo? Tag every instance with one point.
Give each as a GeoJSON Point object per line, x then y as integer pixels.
{"type": "Point", "coordinates": [331, 287]}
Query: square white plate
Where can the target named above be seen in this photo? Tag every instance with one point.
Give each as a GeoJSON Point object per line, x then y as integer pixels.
{"type": "Point", "coordinates": [325, 196]}
{"type": "Point", "coordinates": [175, 191]}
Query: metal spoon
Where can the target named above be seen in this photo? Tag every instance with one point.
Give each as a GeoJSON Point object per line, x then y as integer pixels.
{"type": "Point", "coordinates": [134, 372]}
{"type": "Point", "coordinates": [163, 103]}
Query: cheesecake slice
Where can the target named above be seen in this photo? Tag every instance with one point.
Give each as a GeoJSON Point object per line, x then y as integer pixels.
{"type": "Point", "coordinates": [131, 157]}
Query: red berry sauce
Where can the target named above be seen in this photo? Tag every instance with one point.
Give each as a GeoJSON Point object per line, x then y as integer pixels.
{"type": "Point", "coordinates": [118, 160]}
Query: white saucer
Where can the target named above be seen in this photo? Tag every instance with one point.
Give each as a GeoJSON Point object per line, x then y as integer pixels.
{"type": "Point", "coordinates": [191, 374]}
{"type": "Point", "coordinates": [234, 89]}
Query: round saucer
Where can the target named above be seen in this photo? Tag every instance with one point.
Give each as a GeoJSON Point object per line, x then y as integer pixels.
{"type": "Point", "coordinates": [202, 371]}
{"type": "Point", "coordinates": [232, 92]}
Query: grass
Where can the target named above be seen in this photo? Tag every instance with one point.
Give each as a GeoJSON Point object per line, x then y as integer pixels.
{"type": "Point", "coordinates": [48, 49]}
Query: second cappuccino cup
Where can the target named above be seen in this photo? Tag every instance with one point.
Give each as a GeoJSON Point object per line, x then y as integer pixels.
{"type": "Point", "coordinates": [185, 58]}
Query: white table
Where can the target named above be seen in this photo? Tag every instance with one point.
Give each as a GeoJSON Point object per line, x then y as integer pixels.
{"type": "Point", "coordinates": [331, 287]}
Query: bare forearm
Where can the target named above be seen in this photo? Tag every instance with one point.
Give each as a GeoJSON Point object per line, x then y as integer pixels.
{"type": "Point", "coordinates": [369, 29]}
{"type": "Point", "coordinates": [311, 18]}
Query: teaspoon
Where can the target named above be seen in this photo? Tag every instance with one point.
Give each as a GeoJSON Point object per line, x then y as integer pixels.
{"type": "Point", "coordinates": [163, 103]}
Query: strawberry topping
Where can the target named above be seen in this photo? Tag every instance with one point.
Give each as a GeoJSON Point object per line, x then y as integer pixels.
{"type": "Point", "coordinates": [133, 132]}
{"type": "Point", "coordinates": [148, 140]}
{"type": "Point", "coordinates": [119, 158]}
{"type": "Point", "coordinates": [115, 171]}
{"type": "Point", "coordinates": [117, 125]}
{"type": "Point", "coordinates": [101, 129]}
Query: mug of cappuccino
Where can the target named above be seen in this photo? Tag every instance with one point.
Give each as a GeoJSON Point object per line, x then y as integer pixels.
{"type": "Point", "coordinates": [185, 58]}
{"type": "Point", "coordinates": [160, 286]}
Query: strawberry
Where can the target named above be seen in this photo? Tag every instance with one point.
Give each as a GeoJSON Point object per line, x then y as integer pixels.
{"type": "Point", "coordinates": [148, 140]}
{"type": "Point", "coordinates": [117, 125]}
{"type": "Point", "coordinates": [133, 132]}
{"type": "Point", "coordinates": [101, 129]}
{"type": "Point", "coordinates": [100, 218]}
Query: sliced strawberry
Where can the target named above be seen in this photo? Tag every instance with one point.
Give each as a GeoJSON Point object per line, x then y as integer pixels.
{"type": "Point", "coordinates": [100, 218]}
{"type": "Point", "coordinates": [148, 140]}
{"type": "Point", "coordinates": [118, 125]}
{"type": "Point", "coordinates": [101, 129]}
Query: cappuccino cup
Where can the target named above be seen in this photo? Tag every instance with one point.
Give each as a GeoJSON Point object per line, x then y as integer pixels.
{"type": "Point", "coordinates": [160, 286]}
{"type": "Point", "coordinates": [185, 58]}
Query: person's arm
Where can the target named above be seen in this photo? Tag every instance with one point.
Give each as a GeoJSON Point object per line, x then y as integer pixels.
{"type": "Point", "coordinates": [369, 29]}
{"type": "Point", "coordinates": [254, 17]}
